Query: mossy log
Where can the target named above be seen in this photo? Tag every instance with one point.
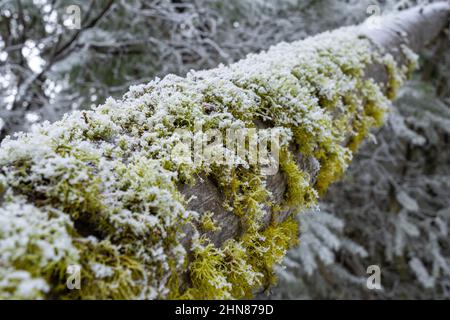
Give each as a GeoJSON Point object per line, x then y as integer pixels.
{"type": "Point", "coordinates": [104, 190]}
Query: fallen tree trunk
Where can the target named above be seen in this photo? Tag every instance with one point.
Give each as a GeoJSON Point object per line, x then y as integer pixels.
{"type": "Point", "coordinates": [118, 192]}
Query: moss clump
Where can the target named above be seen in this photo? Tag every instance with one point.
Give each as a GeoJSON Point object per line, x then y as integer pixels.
{"type": "Point", "coordinates": [299, 192]}
{"type": "Point", "coordinates": [106, 272]}
{"type": "Point", "coordinates": [241, 266]}
{"type": "Point", "coordinates": [246, 196]}
{"type": "Point", "coordinates": [36, 246]}
{"type": "Point", "coordinates": [333, 163]}
{"type": "Point", "coordinates": [269, 247]}
{"type": "Point", "coordinates": [207, 273]}
{"type": "Point", "coordinates": [207, 222]}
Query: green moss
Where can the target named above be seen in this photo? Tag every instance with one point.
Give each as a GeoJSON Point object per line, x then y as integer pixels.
{"type": "Point", "coordinates": [299, 192]}
{"type": "Point", "coordinates": [395, 76]}
{"type": "Point", "coordinates": [333, 163]}
{"type": "Point", "coordinates": [305, 140]}
{"type": "Point", "coordinates": [375, 106]}
{"type": "Point", "coordinates": [121, 281]}
{"type": "Point", "coordinates": [242, 276]}
{"type": "Point", "coordinates": [97, 129]}
{"type": "Point", "coordinates": [361, 126]}
{"type": "Point", "coordinates": [3, 185]}
{"type": "Point", "coordinates": [268, 248]}
{"type": "Point", "coordinates": [207, 222]}
{"type": "Point", "coordinates": [207, 273]}
{"type": "Point", "coordinates": [240, 267]}
{"type": "Point", "coordinates": [174, 284]}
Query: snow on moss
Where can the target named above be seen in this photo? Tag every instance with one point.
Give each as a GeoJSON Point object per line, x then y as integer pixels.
{"type": "Point", "coordinates": [99, 187]}
{"type": "Point", "coordinates": [35, 245]}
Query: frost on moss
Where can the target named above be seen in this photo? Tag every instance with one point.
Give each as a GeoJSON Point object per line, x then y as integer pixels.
{"type": "Point", "coordinates": [99, 188]}
{"type": "Point", "coordinates": [35, 246]}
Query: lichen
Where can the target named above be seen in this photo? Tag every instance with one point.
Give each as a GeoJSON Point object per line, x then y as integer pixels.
{"type": "Point", "coordinates": [99, 188]}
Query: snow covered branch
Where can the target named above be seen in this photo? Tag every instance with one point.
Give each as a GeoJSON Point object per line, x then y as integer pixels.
{"type": "Point", "coordinates": [109, 191]}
